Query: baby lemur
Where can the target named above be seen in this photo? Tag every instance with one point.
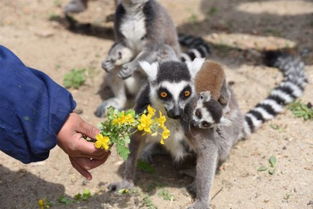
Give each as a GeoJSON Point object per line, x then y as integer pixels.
{"type": "Point", "coordinates": [144, 31]}
{"type": "Point", "coordinates": [200, 118]}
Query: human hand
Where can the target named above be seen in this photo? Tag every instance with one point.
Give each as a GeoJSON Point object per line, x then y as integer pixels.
{"type": "Point", "coordinates": [82, 154]}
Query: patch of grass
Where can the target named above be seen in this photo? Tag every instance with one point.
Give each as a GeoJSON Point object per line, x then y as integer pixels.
{"type": "Point", "coordinates": [212, 11]}
{"type": "Point", "coordinates": [146, 167]}
{"type": "Point", "coordinates": [84, 196]}
{"type": "Point", "coordinates": [301, 110]}
{"type": "Point", "coordinates": [54, 17]}
{"type": "Point", "coordinates": [193, 18]}
{"type": "Point", "coordinates": [271, 167]}
{"type": "Point", "coordinates": [65, 200]}
{"type": "Point", "coordinates": [277, 127]}
{"type": "Point", "coordinates": [74, 79]}
{"type": "Point", "coordinates": [223, 48]}
{"type": "Point", "coordinates": [166, 195]}
{"type": "Point", "coordinates": [148, 203]}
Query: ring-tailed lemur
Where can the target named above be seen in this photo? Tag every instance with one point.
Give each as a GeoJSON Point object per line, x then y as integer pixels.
{"type": "Point", "coordinates": [212, 144]}
{"type": "Point", "coordinates": [77, 6]}
{"type": "Point", "coordinates": [169, 88]}
{"type": "Point", "coordinates": [212, 132]}
{"type": "Point", "coordinates": [144, 31]}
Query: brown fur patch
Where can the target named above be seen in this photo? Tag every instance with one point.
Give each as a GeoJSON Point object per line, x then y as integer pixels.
{"type": "Point", "coordinates": [210, 78]}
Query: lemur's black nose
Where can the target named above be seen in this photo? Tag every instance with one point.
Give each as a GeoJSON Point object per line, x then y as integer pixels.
{"type": "Point", "coordinates": [206, 124]}
{"type": "Point", "coordinates": [174, 116]}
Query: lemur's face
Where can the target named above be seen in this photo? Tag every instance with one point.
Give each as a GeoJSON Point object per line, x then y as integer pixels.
{"type": "Point", "coordinates": [171, 85]}
{"type": "Point", "coordinates": [174, 96]}
{"type": "Point", "coordinates": [207, 112]}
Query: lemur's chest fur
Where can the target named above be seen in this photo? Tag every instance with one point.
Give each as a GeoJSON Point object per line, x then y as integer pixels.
{"type": "Point", "coordinates": [175, 144]}
{"type": "Point", "coordinates": [177, 141]}
{"type": "Point", "coordinates": [133, 29]}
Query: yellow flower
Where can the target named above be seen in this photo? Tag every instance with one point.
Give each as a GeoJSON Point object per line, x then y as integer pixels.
{"type": "Point", "coordinates": [129, 119]}
{"type": "Point", "coordinates": [145, 123]}
{"type": "Point", "coordinates": [165, 134]}
{"type": "Point", "coordinates": [102, 142]}
{"type": "Point", "coordinates": [151, 111]}
{"type": "Point", "coordinates": [41, 204]}
{"type": "Point", "coordinates": [161, 120]}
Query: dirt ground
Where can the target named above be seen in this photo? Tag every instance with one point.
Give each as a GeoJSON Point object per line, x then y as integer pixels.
{"type": "Point", "coordinates": [237, 29]}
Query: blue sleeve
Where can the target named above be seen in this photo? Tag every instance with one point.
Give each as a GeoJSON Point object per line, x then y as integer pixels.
{"type": "Point", "coordinates": [33, 109]}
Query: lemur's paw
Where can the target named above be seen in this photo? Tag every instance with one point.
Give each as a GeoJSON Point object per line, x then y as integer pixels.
{"type": "Point", "coordinates": [113, 102]}
{"type": "Point", "coordinates": [115, 187]}
{"type": "Point", "coordinates": [199, 205]}
{"type": "Point", "coordinates": [127, 71]}
{"type": "Point", "coordinates": [192, 189]}
{"type": "Point", "coordinates": [108, 65]}
{"type": "Point", "coordinates": [75, 6]}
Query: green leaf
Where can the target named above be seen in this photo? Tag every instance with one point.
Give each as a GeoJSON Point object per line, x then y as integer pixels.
{"type": "Point", "coordinates": [64, 200]}
{"type": "Point", "coordinates": [122, 151]}
{"type": "Point", "coordinates": [86, 194]}
{"type": "Point", "coordinates": [123, 191]}
{"type": "Point", "coordinates": [272, 160]}
{"type": "Point", "coordinates": [74, 79]}
{"type": "Point", "coordinates": [262, 168]}
{"type": "Point", "coordinates": [78, 196]}
{"type": "Point", "coordinates": [166, 195]}
{"type": "Point", "coordinates": [146, 167]}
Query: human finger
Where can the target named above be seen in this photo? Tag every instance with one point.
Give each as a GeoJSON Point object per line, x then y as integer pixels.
{"type": "Point", "coordinates": [82, 171]}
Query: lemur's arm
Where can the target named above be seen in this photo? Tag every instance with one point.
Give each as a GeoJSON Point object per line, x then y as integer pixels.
{"type": "Point", "coordinates": [207, 157]}
{"type": "Point", "coordinates": [149, 54]}
{"type": "Point", "coordinates": [119, 54]}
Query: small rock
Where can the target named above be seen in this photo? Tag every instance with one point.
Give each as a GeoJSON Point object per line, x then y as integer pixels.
{"type": "Point", "coordinates": [44, 34]}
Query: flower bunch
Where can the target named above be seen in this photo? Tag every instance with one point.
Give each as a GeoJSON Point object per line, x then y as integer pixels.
{"type": "Point", "coordinates": [119, 125]}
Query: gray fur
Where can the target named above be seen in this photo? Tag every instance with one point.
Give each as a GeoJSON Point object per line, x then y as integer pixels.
{"type": "Point", "coordinates": [158, 30]}
{"type": "Point", "coordinates": [158, 42]}
{"type": "Point", "coordinates": [211, 145]}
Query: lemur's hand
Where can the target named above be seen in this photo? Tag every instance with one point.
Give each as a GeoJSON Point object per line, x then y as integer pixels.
{"type": "Point", "coordinates": [112, 60]}
{"type": "Point", "coordinates": [108, 64]}
{"type": "Point", "coordinates": [127, 70]}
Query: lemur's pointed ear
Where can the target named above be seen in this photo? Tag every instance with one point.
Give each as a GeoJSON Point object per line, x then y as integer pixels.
{"type": "Point", "coordinates": [195, 66]}
{"type": "Point", "coordinates": [151, 70]}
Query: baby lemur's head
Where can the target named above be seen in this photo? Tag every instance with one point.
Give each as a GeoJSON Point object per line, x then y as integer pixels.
{"type": "Point", "coordinates": [207, 112]}
{"type": "Point", "coordinates": [211, 101]}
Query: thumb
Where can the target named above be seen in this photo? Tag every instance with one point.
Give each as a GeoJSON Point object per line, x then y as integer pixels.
{"type": "Point", "coordinates": [87, 129]}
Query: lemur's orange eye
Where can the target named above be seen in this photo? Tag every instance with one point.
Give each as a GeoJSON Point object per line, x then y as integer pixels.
{"type": "Point", "coordinates": [163, 94]}
{"type": "Point", "coordinates": [187, 93]}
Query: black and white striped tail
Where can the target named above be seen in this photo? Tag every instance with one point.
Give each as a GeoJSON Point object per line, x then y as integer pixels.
{"type": "Point", "coordinates": [197, 47]}
{"type": "Point", "coordinates": [286, 92]}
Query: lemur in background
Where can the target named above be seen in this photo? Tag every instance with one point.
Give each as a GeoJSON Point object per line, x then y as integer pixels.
{"type": "Point", "coordinates": [174, 93]}
{"type": "Point", "coordinates": [212, 132]}
{"type": "Point", "coordinates": [144, 31]}
{"type": "Point", "coordinates": [77, 6]}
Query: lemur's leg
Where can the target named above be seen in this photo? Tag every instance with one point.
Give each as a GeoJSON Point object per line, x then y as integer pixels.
{"type": "Point", "coordinates": [119, 99]}
{"type": "Point", "coordinates": [207, 156]}
{"type": "Point", "coordinates": [136, 144]}
{"type": "Point", "coordinates": [75, 6]}
{"type": "Point", "coordinates": [118, 55]}
{"type": "Point", "coordinates": [148, 54]}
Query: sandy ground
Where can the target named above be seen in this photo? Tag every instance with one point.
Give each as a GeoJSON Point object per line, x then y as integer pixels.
{"type": "Point", "coordinates": [236, 29]}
